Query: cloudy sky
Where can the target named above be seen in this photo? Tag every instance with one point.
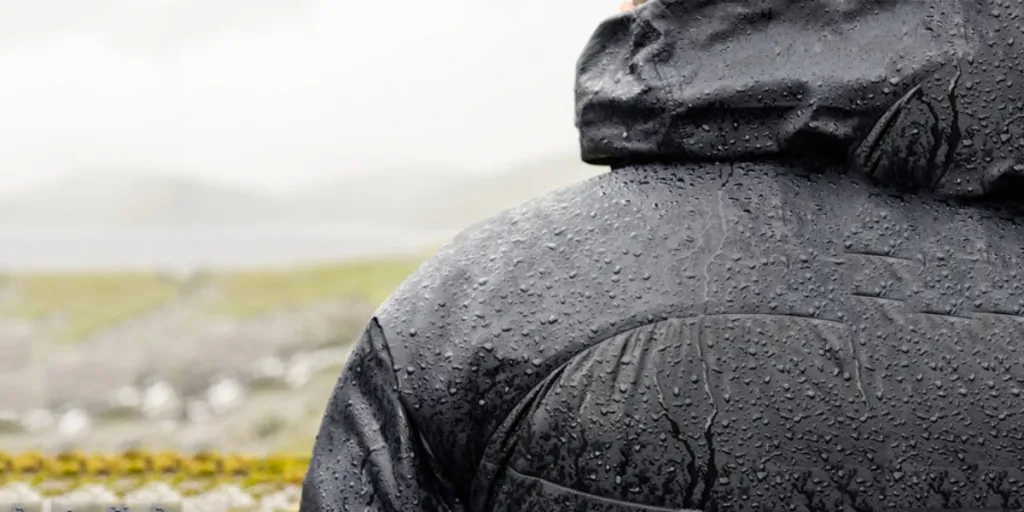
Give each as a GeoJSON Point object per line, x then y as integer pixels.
{"type": "Point", "coordinates": [279, 94]}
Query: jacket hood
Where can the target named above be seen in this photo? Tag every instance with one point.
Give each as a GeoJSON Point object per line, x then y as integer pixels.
{"type": "Point", "coordinates": [920, 94]}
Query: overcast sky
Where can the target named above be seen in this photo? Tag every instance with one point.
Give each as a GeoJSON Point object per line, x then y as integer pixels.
{"type": "Point", "coordinates": [284, 93]}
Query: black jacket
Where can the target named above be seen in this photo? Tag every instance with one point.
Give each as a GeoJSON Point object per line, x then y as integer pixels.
{"type": "Point", "coordinates": [798, 288]}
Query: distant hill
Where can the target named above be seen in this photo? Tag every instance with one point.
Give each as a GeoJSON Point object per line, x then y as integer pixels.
{"type": "Point", "coordinates": [426, 198]}
{"type": "Point", "coordinates": [480, 197]}
{"type": "Point", "coordinates": [124, 198]}
{"type": "Point", "coordinates": [443, 199]}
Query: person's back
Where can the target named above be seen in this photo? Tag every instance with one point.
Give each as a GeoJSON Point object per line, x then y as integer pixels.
{"type": "Point", "coordinates": [797, 289]}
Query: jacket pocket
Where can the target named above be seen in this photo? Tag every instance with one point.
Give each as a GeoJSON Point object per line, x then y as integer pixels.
{"type": "Point", "coordinates": [515, 492]}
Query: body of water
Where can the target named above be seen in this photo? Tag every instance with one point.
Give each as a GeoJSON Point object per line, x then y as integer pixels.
{"type": "Point", "coordinates": [186, 249]}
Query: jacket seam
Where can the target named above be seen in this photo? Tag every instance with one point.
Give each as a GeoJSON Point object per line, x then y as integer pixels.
{"type": "Point", "coordinates": [416, 434]}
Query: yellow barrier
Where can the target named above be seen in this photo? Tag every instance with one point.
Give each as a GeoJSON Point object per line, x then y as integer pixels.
{"type": "Point", "coordinates": [189, 473]}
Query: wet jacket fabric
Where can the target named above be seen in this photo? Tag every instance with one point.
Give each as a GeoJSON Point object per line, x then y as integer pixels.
{"type": "Point", "coordinates": [797, 288]}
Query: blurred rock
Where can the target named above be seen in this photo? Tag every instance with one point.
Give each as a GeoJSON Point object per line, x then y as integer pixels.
{"type": "Point", "coordinates": [90, 493]}
{"type": "Point", "coordinates": [220, 499]}
{"type": "Point", "coordinates": [74, 423]}
{"type": "Point", "coordinates": [225, 394]}
{"type": "Point", "coordinates": [37, 420]}
{"type": "Point", "coordinates": [285, 500]}
{"type": "Point", "coordinates": [272, 368]}
{"type": "Point", "coordinates": [155, 492]}
{"type": "Point", "coordinates": [300, 371]}
{"type": "Point", "coordinates": [15, 492]}
{"type": "Point", "coordinates": [160, 400]}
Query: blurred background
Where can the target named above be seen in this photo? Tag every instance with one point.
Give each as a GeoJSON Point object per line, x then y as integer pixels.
{"type": "Point", "coordinates": [203, 201]}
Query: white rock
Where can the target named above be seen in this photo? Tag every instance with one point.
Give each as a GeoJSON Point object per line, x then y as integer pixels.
{"type": "Point", "coordinates": [90, 493]}
{"type": "Point", "coordinates": [160, 399]}
{"type": "Point", "coordinates": [37, 420]}
{"type": "Point", "coordinates": [74, 423]}
{"type": "Point", "coordinates": [300, 371]}
{"type": "Point", "coordinates": [19, 491]}
{"type": "Point", "coordinates": [225, 395]}
{"type": "Point", "coordinates": [270, 368]}
{"type": "Point", "coordinates": [285, 500]}
{"type": "Point", "coordinates": [222, 498]}
{"type": "Point", "coordinates": [154, 492]}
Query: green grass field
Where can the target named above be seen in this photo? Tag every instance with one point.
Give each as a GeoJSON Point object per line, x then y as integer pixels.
{"type": "Point", "coordinates": [254, 293]}
{"type": "Point", "coordinates": [85, 303]}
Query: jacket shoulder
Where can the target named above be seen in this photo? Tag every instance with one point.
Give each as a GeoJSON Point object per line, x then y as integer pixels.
{"type": "Point", "coordinates": [513, 298]}
{"type": "Point", "coordinates": [491, 262]}
{"type": "Point", "coordinates": [509, 271]}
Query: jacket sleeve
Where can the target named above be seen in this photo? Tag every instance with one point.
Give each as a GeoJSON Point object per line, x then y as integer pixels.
{"type": "Point", "coordinates": [367, 455]}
